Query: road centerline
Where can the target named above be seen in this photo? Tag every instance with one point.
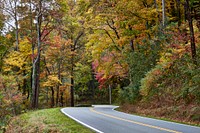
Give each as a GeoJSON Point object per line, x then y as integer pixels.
{"type": "Point", "coordinates": [134, 122]}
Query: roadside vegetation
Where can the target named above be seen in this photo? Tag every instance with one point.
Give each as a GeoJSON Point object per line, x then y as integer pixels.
{"type": "Point", "coordinates": [45, 121]}
{"type": "Point", "coordinates": [179, 114]}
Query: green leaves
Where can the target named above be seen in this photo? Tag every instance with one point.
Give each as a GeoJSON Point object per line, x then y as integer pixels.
{"type": "Point", "coordinates": [83, 73]}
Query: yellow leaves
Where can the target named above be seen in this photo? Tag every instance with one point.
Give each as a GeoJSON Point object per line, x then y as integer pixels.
{"type": "Point", "coordinates": [139, 27]}
{"type": "Point", "coordinates": [165, 57]}
{"type": "Point", "coordinates": [64, 73]}
{"type": "Point", "coordinates": [122, 41]}
{"type": "Point", "coordinates": [19, 59]}
{"type": "Point", "coordinates": [52, 81]}
{"type": "Point", "coordinates": [25, 47]}
{"type": "Point", "coordinates": [196, 30]}
{"type": "Point", "coordinates": [174, 52]}
{"type": "Point", "coordinates": [14, 60]}
{"type": "Point", "coordinates": [92, 40]}
{"type": "Point", "coordinates": [94, 45]}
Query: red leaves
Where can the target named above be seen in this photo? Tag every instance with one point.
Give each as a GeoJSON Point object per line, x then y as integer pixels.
{"type": "Point", "coordinates": [99, 75]}
{"type": "Point", "coordinates": [107, 70]}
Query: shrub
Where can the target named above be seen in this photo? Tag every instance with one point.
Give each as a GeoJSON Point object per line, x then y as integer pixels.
{"type": "Point", "coordinates": [173, 79]}
{"type": "Point", "coordinates": [140, 62]}
{"type": "Point", "coordinates": [10, 99]}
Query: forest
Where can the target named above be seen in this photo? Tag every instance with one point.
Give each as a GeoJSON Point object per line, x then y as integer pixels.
{"type": "Point", "coordinates": [58, 53]}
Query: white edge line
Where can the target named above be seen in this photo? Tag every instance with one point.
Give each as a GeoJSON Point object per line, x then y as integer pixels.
{"type": "Point", "coordinates": [186, 125]}
{"type": "Point", "coordinates": [96, 130]}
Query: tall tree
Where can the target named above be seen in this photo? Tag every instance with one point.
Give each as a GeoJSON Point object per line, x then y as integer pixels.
{"type": "Point", "coordinates": [73, 29]}
{"type": "Point", "coordinates": [36, 61]}
{"type": "Point", "coordinates": [45, 17]}
{"type": "Point", "coordinates": [192, 38]}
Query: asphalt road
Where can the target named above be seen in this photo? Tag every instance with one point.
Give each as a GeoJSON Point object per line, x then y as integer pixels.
{"type": "Point", "coordinates": [103, 119]}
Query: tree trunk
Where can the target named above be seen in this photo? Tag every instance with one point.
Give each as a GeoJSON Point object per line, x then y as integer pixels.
{"type": "Point", "coordinates": [110, 95]}
{"type": "Point", "coordinates": [24, 83]}
{"type": "Point", "coordinates": [72, 77]}
{"type": "Point", "coordinates": [57, 95]}
{"type": "Point", "coordinates": [163, 13]}
{"type": "Point", "coordinates": [52, 97]}
{"type": "Point", "coordinates": [131, 41]}
{"type": "Point", "coordinates": [47, 96]}
{"type": "Point", "coordinates": [72, 89]}
{"type": "Point", "coordinates": [33, 47]}
{"type": "Point", "coordinates": [58, 90]}
{"type": "Point", "coordinates": [185, 12]}
{"type": "Point", "coordinates": [192, 39]}
{"type": "Point", "coordinates": [178, 3]}
{"type": "Point", "coordinates": [61, 99]}
{"type": "Point", "coordinates": [17, 35]}
{"type": "Point", "coordinates": [37, 82]}
{"type": "Point", "coordinates": [93, 85]}
{"type": "Point", "coordinates": [196, 8]}
{"type": "Point", "coordinates": [36, 62]}
{"type": "Point", "coordinates": [33, 88]}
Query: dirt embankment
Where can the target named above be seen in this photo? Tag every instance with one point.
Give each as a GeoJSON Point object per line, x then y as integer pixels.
{"type": "Point", "coordinates": [189, 114]}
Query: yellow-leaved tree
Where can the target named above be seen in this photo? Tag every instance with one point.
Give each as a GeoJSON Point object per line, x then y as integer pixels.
{"type": "Point", "coordinates": [18, 63]}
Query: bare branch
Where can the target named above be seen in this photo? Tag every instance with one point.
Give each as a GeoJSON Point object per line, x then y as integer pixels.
{"type": "Point", "coordinates": [77, 38]}
{"type": "Point", "coordinates": [113, 28]}
{"type": "Point", "coordinates": [111, 39]}
{"type": "Point", "coordinates": [8, 11]}
{"type": "Point", "coordinates": [10, 25]}
{"type": "Point", "coordinates": [47, 34]}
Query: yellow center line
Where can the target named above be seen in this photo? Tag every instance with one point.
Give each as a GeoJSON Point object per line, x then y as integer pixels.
{"type": "Point", "coordinates": [134, 122]}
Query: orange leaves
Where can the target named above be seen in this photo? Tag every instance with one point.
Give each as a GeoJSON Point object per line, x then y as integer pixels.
{"type": "Point", "coordinates": [122, 41]}
{"type": "Point", "coordinates": [58, 47]}
{"type": "Point", "coordinates": [8, 36]}
{"type": "Point", "coordinates": [157, 72]}
{"type": "Point", "coordinates": [139, 27]}
{"type": "Point", "coordinates": [57, 42]}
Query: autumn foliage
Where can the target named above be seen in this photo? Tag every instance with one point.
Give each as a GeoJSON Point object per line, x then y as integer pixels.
{"type": "Point", "coordinates": [71, 52]}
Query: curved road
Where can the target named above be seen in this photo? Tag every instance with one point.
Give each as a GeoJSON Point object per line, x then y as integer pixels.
{"type": "Point", "coordinates": [103, 119]}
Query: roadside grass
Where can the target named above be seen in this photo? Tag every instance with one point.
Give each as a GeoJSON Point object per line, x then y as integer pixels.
{"type": "Point", "coordinates": [45, 121]}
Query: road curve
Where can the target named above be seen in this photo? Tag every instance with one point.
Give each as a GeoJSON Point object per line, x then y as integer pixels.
{"type": "Point", "coordinates": [104, 119]}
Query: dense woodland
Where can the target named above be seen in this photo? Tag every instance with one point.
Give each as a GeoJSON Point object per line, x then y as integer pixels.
{"type": "Point", "coordinates": [69, 52]}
